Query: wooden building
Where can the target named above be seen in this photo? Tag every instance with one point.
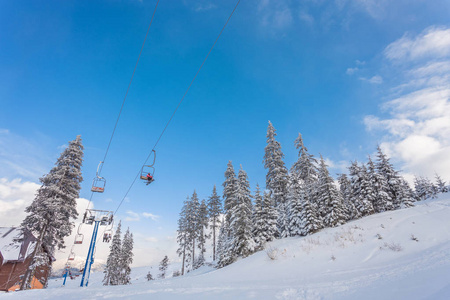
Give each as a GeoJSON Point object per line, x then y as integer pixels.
{"type": "Point", "coordinates": [15, 257]}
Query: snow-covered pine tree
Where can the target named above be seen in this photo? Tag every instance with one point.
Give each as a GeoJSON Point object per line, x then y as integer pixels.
{"type": "Point", "coordinates": [226, 238]}
{"type": "Point", "coordinates": [366, 193]}
{"type": "Point", "coordinates": [224, 251]}
{"type": "Point", "coordinates": [163, 267]}
{"type": "Point", "coordinates": [276, 177]}
{"type": "Point", "coordinates": [126, 258]}
{"type": "Point", "coordinates": [182, 237]}
{"type": "Point", "coordinates": [241, 223]}
{"type": "Point", "coordinates": [214, 210]}
{"type": "Point", "coordinates": [346, 189]}
{"type": "Point", "coordinates": [52, 213]}
{"type": "Point", "coordinates": [355, 190]}
{"type": "Point", "coordinates": [294, 207]}
{"type": "Point", "coordinates": [306, 169]}
{"type": "Point", "coordinates": [113, 269]}
{"type": "Point", "coordinates": [270, 217]}
{"type": "Point", "coordinates": [406, 194]}
{"type": "Point", "coordinates": [258, 221]}
{"type": "Point", "coordinates": [393, 179]}
{"type": "Point", "coordinates": [193, 224]}
{"type": "Point", "coordinates": [329, 198]}
{"type": "Point", "coordinates": [424, 188]}
{"type": "Point", "coordinates": [382, 201]}
{"type": "Point", "coordinates": [441, 187]}
{"type": "Point", "coordinates": [229, 191]}
{"type": "Point", "coordinates": [311, 222]}
{"type": "Point", "coordinates": [202, 236]}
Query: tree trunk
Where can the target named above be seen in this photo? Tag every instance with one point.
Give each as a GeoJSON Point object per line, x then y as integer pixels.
{"type": "Point", "coordinates": [214, 239]}
{"type": "Point", "coordinates": [30, 269]}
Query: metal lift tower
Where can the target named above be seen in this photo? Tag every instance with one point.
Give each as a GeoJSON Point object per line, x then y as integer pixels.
{"type": "Point", "coordinates": [98, 218]}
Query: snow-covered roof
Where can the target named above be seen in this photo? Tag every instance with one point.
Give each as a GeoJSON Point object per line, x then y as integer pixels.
{"type": "Point", "coordinates": [11, 250]}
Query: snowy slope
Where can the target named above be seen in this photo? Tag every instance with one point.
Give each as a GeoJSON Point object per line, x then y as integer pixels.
{"type": "Point", "coordinates": [371, 258]}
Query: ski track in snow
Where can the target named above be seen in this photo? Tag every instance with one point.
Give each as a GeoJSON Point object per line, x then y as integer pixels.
{"type": "Point", "coordinates": [346, 262]}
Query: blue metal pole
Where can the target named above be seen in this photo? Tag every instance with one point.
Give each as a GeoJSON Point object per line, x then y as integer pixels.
{"type": "Point", "coordinates": [88, 256]}
{"type": "Point", "coordinates": [65, 276]}
{"type": "Point", "coordinates": [92, 252]}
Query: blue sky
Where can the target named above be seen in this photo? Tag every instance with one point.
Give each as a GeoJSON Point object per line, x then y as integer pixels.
{"type": "Point", "coordinates": [336, 71]}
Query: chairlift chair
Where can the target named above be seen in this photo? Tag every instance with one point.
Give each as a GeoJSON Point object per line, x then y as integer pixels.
{"type": "Point", "coordinates": [79, 239]}
{"type": "Point", "coordinates": [148, 169]}
{"type": "Point", "coordinates": [98, 184]}
{"type": "Point", "coordinates": [71, 256]}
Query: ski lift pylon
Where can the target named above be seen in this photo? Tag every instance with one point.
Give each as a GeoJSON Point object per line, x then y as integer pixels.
{"type": "Point", "coordinates": [99, 183]}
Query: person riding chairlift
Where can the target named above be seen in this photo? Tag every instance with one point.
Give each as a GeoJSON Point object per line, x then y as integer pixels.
{"type": "Point", "coordinates": [149, 178]}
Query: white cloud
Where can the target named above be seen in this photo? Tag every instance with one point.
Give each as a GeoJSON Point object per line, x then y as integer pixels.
{"type": "Point", "coordinates": [417, 131]}
{"type": "Point", "coordinates": [21, 157]}
{"type": "Point", "coordinates": [433, 43]}
{"type": "Point", "coordinates": [151, 239]}
{"type": "Point", "coordinates": [15, 196]}
{"type": "Point", "coordinates": [275, 15]}
{"type": "Point", "coordinates": [201, 7]}
{"type": "Point", "coordinates": [351, 71]}
{"type": "Point", "coordinates": [132, 216]}
{"type": "Point", "coordinates": [377, 79]}
{"type": "Point", "coordinates": [305, 17]}
{"type": "Point", "coordinates": [150, 215]}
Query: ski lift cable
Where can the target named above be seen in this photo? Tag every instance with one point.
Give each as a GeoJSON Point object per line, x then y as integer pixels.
{"type": "Point", "coordinates": [129, 85]}
{"type": "Point", "coordinates": [179, 103]}
{"type": "Point", "coordinates": [99, 169]}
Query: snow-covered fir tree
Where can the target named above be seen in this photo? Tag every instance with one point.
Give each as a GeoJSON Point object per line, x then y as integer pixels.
{"type": "Point", "coordinates": [346, 189]}
{"type": "Point", "coordinates": [202, 225]}
{"type": "Point", "coordinates": [396, 187]}
{"type": "Point", "coordinates": [406, 194]}
{"type": "Point", "coordinates": [214, 210]}
{"type": "Point", "coordinates": [126, 257]}
{"type": "Point", "coordinates": [226, 238]}
{"type": "Point", "coordinates": [229, 191]}
{"type": "Point", "coordinates": [424, 188]}
{"type": "Point", "coordinates": [224, 246]}
{"type": "Point", "coordinates": [294, 206]}
{"type": "Point", "coordinates": [381, 201]}
{"type": "Point", "coordinates": [113, 267]}
{"type": "Point", "coordinates": [193, 224]}
{"type": "Point", "coordinates": [276, 177]}
{"type": "Point", "coordinates": [355, 191]}
{"type": "Point", "coordinates": [52, 213]}
{"type": "Point", "coordinates": [163, 267]}
{"type": "Point", "coordinates": [258, 220]}
{"type": "Point", "coordinates": [366, 193]}
{"type": "Point", "coordinates": [329, 198]}
{"type": "Point", "coordinates": [440, 185]}
{"type": "Point", "coordinates": [241, 222]}
{"type": "Point", "coordinates": [182, 237]}
{"type": "Point", "coordinates": [311, 222]}
{"type": "Point", "coordinates": [270, 217]}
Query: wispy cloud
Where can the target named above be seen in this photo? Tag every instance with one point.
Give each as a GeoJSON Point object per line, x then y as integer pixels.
{"type": "Point", "coordinates": [21, 157]}
{"type": "Point", "coordinates": [351, 71]}
{"type": "Point", "coordinates": [132, 216]}
{"type": "Point", "coordinates": [377, 79]}
{"type": "Point", "coordinates": [432, 43]}
{"type": "Point", "coordinates": [418, 129]}
{"type": "Point", "coordinates": [151, 216]}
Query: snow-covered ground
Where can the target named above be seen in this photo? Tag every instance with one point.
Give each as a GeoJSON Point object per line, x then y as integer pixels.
{"type": "Point", "coordinates": [372, 258]}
